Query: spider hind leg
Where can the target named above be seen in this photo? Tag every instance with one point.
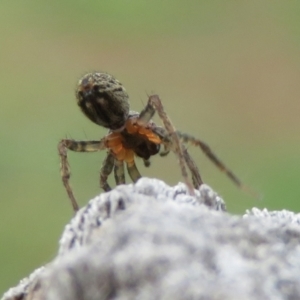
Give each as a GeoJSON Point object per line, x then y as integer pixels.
{"type": "Point", "coordinates": [196, 177]}
{"type": "Point", "coordinates": [186, 138]}
{"type": "Point", "coordinates": [155, 105]}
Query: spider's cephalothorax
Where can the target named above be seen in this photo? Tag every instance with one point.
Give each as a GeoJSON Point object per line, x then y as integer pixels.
{"type": "Point", "coordinates": [104, 101]}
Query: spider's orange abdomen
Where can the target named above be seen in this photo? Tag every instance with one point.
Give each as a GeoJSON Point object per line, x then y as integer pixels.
{"type": "Point", "coordinates": [133, 140]}
{"type": "Point", "coordinates": [114, 142]}
{"type": "Point", "coordinates": [133, 128]}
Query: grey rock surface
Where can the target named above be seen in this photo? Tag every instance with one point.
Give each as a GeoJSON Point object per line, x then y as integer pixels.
{"type": "Point", "coordinates": [151, 241]}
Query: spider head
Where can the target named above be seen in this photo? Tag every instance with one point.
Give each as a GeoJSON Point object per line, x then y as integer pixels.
{"type": "Point", "coordinates": [103, 100]}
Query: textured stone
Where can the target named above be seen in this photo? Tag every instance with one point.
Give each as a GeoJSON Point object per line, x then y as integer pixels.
{"type": "Point", "coordinates": [151, 241]}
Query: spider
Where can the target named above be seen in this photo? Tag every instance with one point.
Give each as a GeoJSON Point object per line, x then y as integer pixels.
{"type": "Point", "coordinates": [104, 100]}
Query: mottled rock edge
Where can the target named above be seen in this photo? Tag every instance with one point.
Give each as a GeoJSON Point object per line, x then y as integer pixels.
{"type": "Point", "coordinates": [151, 241]}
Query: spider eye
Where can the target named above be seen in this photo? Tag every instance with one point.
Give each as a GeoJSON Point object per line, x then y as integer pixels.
{"type": "Point", "coordinates": [103, 100]}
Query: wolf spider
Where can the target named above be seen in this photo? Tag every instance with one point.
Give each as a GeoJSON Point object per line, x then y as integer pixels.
{"type": "Point", "coordinates": [104, 101]}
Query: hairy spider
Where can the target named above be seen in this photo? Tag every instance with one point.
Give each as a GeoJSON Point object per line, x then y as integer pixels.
{"type": "Point", "coordinates": [104, 101]}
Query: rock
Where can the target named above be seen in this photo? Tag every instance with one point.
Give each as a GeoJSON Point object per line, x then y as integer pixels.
{"type": "Point", "coordinates": [152, 241]}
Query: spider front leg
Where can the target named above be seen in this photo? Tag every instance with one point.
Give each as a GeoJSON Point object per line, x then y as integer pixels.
{"type": "Point", "coordinates": [155, 104]}
{"type": "Point", "coordinates": [77, 146]}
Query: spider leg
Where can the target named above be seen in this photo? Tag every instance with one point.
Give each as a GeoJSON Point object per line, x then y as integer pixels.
{"type": "Point", "coordinates": [146, 162]}
{"type": "Point", "coordinates": [155, 104]}
{"type": "Point", "coordinates": [197, 181]}
{"type": "Point", "coordinates": [164, 153]}
{"type": "Point", "coordinates": [133, 171]}
{"type": "Point", "coordinates": [119, 172]}
{"type": "Point", "coordinates": [166, 142]}
{"type": "Point", "coordinates": [146, 114]}
{"type": "Point", "coordinates": [77, 146]}
{"type": "Point", "coordinates": [186, 138]}
{"type": "Point", "coordinates": [105, 171]}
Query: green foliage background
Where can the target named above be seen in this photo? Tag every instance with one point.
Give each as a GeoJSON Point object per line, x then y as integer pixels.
{"type": "Point", "coordinates": [227, 71]}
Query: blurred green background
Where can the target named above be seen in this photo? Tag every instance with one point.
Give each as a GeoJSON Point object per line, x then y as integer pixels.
{"type": "Point", "coordinates": [227, 72]}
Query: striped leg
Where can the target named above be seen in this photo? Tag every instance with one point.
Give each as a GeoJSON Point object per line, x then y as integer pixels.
{"type": "Point", "coordinates": [164, 153]}
{"type": "Point", "coordinates": [146, 162]}
{"type": "Point", "coordinates": [78, 146]}
{"type": "Point", "coordinates": [155, 104]}
{"type": "Point", "coordinates": [186, 138]}
{"type": "Point", "coordinates": [197, 181]}
{"type": "Point", "coordinates": [106, 169]}
{"type": "Point", "coordinates": [133, 171]}
{"type": "Point", "coordinates": [119, 172]}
